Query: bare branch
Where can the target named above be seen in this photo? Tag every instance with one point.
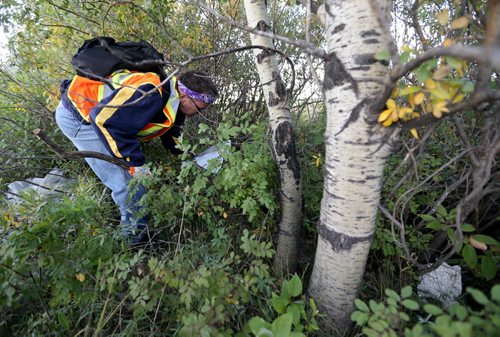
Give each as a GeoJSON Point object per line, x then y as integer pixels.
{"type": "Point", "coordinates": [78, 154]}
{"type": "Point", "coordinates": [304, 45]}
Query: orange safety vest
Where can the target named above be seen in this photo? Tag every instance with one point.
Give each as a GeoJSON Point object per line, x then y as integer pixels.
{"type": "Point", "coordinates": [84, 94]}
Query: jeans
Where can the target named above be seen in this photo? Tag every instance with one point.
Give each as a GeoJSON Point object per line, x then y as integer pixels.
{"type": "Point", "coordinates": [112, 176]}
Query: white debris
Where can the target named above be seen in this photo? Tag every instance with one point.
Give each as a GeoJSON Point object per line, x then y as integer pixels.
{"type": "Point", "coordinates": [211, 153]}
{"type": "Point", "coordinates": [443, 284]}
{"type": "Point", "coordinates": [53, 183]}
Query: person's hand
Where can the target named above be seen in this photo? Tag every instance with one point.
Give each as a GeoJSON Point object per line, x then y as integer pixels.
{"type": "Point", "coordinates": [139, 171]}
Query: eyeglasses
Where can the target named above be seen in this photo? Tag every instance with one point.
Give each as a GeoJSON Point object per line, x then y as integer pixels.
{"type": "Point", "coordinates": [198, 109]}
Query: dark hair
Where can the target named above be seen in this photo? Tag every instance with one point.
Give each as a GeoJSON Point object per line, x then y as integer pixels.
{"type": "Point", "coordinates": [198, 81]}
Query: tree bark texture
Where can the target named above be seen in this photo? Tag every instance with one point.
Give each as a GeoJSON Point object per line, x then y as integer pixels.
{"type": "Point", "coordinates": [282, 138]}
{"type": "Point", "coordinates": [356, 151]}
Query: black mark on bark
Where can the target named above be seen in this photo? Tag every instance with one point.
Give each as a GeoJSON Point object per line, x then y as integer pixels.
{"type": "Point", "coordinates": [339, 28]}
{"type": "Point", "coordinates": [368, 33]}
{"type": "Point", "coordinates": [262, 55]}
{"type": "Point", "coordinates": [337, 75]}
{"type": "Point", "coordinates": [365, 59]}
{"type": "Point", "coordinates": [340, 241]}
{"type": "Point", "coordinates": [370, 41]}
{"type": "Point", "coordinates": [354, 115]}
{"type": "Point", "coordinates": [285, 146]}
{"type": "Point", "coordinates": [280, 86]}
{"type": "Point", "coordinates": [262, 25]}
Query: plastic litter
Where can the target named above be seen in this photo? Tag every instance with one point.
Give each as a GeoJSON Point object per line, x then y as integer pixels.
{"type": "Point", "coordinates": [53, 183]}
{"type": "Point", "coordinates": [443, 284]}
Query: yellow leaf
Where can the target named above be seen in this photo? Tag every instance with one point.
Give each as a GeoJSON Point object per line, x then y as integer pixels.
{"type": "Point", "coordinates": [394, 93]}
{"type": "Point", "coordinates": [387, 122]}
{"type": "Point", "coordinates": [439, 108]}
{"type": "Point", "coordinates": [442, 17]}
{"type": "Point", "coordinates": [430, 84]}
{"type": "Point", "coordinates": [459, 23]}
{"type": "Point", "coordinates": [414, 133]}
{"type": "Point", "coordinates": [458, 98]}
{"type": "Point", "coordinates": [404, 112]}
{"type": "Point", "coordinates": [411, 100]}
{"type": "Point", "coordinates": [406, 48]}
{"type": "Point", "coordinates": [409, 90]}
{"type": "Point", "coordinates": [80, 277]}
{"type": "Point", "coordinates": [391, 104]}
{"type": "Point", "coordinates": [440, 93]}
{"type": "Point", "coordinates": [318, 161]}
{"type": "Point", "coordinates": [419, 98]}
{"type": "Point", "coordinates": [437, 113]}
{"type": "Point", "coordinates": [383, 116]}
{"type": "Point", "coordinates": [394, 116]}
{"type": "Point", "coordinates": [224, 215]}
{"type": "Point", "coordinates": [448, 42]}
{"type": "Point", "coordinates": [476, 244]}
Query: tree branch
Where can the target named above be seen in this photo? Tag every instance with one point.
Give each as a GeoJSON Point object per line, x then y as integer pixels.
{"type": "Point", "coordinates": [78, 154]}
{"type": "Point", "coordinates": [469, 104]}
{"type": "Point", "coordinates": [308, 47]}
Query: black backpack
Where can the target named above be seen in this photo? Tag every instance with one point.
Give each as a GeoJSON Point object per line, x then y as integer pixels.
{"type": "Point", "coordinates": [101, 56]}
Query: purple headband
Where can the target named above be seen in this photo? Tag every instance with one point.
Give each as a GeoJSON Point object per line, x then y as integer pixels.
{"type": "Point", "coordinates": [209, 99]}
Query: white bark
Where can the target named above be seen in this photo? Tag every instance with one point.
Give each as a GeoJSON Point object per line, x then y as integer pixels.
{"type": "Point", "coordinates": [356, 151]}
{"type": "Point", "coordinates": [282, 139]}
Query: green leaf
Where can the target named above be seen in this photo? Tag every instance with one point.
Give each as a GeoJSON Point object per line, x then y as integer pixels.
{"type": "Point", "coordinates": [370, 332]}
{"type": "Point", "coordinates": [436, 225]}
{"type": "Point", "coordinates": [422, 74]}
{"type": "Point", "coordinates": [359, 317]}
{"type": "Point", "coordinates": [442, 211]}
{"type": "Point", "coordinates": [259, 327]}
{"type": "Point", "coordinates": [428, 217]}
{"type": "Point", "coordinates": [495, 292]}
{"type": "Point", "coordinates": [467, 228]}
{"type": "Point", "coordinates": [468, 87]}
{"type": "Point", "coordinates": [392, 294]}
{"type": "Point", "coordinates": [282, 326]}
{"type": "Point", "coordinates": [361, 305]}
{"type": "Point", "coordinates": [382, 55]}
{"type": "Point", "coordinates": [63, 320]}
{"type": "Point", "coordinates": [295, 286]}
{"type": "Point", "coordinates": [485, 239]}
{"type": "Point", "coordinates": [406, 292]}
{"type": "Point", "coordinates": [469, 255]}
{"type": "Point", "coordinates": [295, 309]}
{"type": "Point", "coordinates": [410, 304]}
{"type": "Point", "coordinates": [454, 62]}
{"type": "Point", "coordinates": [432, 309]}
{"type": "Point", "coordinates": [410, 90]}
{"type": "Point", "coordinates": [279, 303]}
{"type": "Point", "coordinates": [404, 57]}
{"type": "Point", "coordinates": [202, 128]}
{"type": "Point", "coordinates": [458, 310]}
{"type": "Point", "coordinates": [478, 296]}
{"type": "Point", "coordinates": [488, 267]}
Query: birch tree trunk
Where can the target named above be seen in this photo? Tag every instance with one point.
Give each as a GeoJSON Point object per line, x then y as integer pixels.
{"type": "Point", "coordinates": [356, 151]}
{"type": "Point", "coordinates": [282, 138]}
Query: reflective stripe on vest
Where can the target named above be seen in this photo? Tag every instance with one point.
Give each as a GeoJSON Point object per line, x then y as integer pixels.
{"type": "Point", "coordinates": [85, 93]}
{"type": "Point", "coordinates": [153, 130]}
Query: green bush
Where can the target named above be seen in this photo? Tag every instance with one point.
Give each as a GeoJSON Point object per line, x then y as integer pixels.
{"type": "Point", "coordinates": [401, 315]}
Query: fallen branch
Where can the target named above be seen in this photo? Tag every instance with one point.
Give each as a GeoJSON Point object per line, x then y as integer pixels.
{"type": "Point", "coordinates": [77, 154]}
